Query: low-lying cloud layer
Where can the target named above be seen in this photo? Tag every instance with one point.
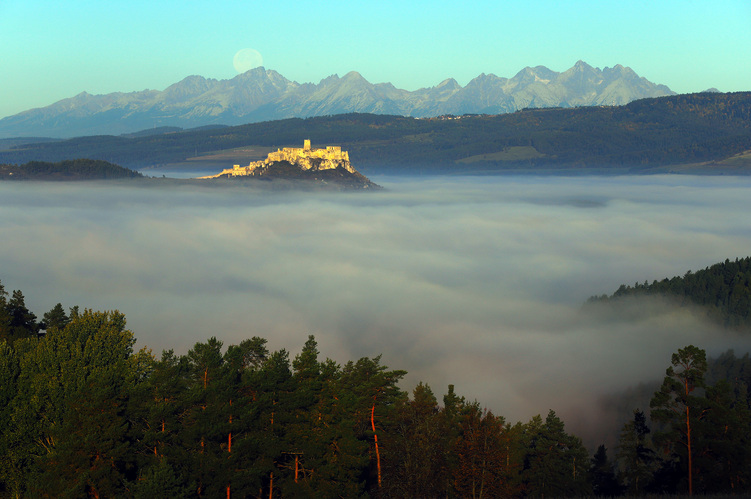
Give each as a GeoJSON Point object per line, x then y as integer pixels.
{"type": "Point", "coordinates": [476, 282]}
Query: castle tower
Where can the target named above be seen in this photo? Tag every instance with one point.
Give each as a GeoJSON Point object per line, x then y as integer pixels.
{"type": "Point", "coordinates": [306, 145]}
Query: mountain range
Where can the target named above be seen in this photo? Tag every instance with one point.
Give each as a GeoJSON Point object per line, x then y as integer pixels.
{"type": "Point", "coordinates": [263, 95]}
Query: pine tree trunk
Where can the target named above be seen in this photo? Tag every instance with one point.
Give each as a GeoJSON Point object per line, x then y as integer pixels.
{"type": "Point", "coordinates": [690, 460]}
{"type": "Point", "coordinates": [375, 436]}
{"type": "Point", "coordinates": [688, 442]}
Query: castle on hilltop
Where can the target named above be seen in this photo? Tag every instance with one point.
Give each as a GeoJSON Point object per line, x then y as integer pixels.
{"type": "Point", "coordinates": [305, 158]}
{"type": "Point", "coordinates": [294, 154]}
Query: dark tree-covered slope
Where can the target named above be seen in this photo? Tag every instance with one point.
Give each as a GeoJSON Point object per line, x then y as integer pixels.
{"type": "Point", "coordinates": [724, 289]}
{"type": "Point", "coordinates": [77, 169]}
{"type": "Point", "coordinates": [82, 414]}
{"type": "Point", "coordinates": [644, 136]}
{"type": "Point", "coordinates": [286, 171]}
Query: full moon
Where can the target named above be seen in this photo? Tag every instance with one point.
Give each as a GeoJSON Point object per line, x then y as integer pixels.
{"type": "Point", "coordinates": [246, 59]}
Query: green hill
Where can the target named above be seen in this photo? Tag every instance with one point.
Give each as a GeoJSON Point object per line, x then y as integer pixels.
{"type": "Point", "coordinates": [694, 133]}
{"type": "Point", "coordinates": [724, 289]}
{"type": "Point", "coordinates": [77, 169]}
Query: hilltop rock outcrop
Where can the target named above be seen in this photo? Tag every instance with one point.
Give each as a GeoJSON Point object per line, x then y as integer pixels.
{"type": "Point", "coordinates": [329, 165]}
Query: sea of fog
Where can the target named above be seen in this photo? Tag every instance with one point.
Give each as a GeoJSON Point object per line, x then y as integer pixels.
{"type": "Point", "coordinates": [476, 282]}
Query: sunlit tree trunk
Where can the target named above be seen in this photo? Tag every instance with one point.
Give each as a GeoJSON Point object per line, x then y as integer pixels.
{"type": "Point", "coordinates": [375, 436]}
{"type": "Point", "coordinates": [674, 401]}
{"type": "Point", "coordinates": [688, 444]}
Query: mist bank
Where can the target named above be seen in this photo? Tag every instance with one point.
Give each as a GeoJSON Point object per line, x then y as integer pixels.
{"type": "Point", "coordinates": [477, 282]}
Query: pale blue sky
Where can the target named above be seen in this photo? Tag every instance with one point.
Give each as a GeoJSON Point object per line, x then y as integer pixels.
{"type": "Point", "coordinates": [50, 50]}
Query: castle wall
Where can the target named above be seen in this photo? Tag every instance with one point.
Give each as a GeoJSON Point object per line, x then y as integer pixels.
{"type": "Point", "coordinates": [305, 157]}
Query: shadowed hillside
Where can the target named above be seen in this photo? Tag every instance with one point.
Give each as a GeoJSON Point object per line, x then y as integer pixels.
{"type": "Point", "coordinates": [696, 133]}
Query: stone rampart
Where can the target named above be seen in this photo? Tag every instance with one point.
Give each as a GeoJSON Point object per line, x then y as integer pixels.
{"type": "Point", "coordinates": [305, 158]}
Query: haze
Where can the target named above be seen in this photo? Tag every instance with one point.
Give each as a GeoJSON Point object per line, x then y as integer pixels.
{"type": "Point", "coordinates": [476, 282]}
{"type": "Point", "coordinates": [56, 50]}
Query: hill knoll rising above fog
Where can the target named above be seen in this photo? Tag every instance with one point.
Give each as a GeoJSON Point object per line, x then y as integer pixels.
{"type": "Point", "coordinates": [692, 133]}
{"type": "Point", "coordinates": [263, 95]}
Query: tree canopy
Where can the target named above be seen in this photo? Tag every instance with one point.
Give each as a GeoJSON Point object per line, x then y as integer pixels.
{"type": "Point", "coordinates": [83, 414]}
{"type": "Point", "coordinates": [723, 290]}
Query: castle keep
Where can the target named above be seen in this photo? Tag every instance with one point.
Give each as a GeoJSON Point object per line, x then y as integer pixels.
{"type": "Point", "coordinates": [305, 158]}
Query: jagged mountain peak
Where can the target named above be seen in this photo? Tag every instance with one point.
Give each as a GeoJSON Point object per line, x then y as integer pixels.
{"type": "Point", "coordinates": [353, 75]}
{"type": "Point", "coordinates": [329, 79]}
{"type": "Point", "coordinates": [529, 76]}
{"type": "Point", "coordinates": [257, 71]}
{"type": "Point", "coordinates": [490, 77]}
{"type": "Point", "coordinates": [534, 74]}
{"type": "Point", "coordinates": [620, 71]}
{"type": "Point", "coordinates": [544, 73]}
{"type": "Point", "coordinates": [259, 74]}
{"type": "Point", "coordinates": [579, 69]}
{"type": "Point", "coordinates": [261, 94]}
{"type": "Point", "coordinates": [191, 79]}
{"type": "Point", "coordinates": [353, 80]}
{"type": "Point", "coordinates": [525, 72]}
{"type": "Point", "coordinates": [188, 86]}
{"type": "Point", "coordinates": [448, 83]}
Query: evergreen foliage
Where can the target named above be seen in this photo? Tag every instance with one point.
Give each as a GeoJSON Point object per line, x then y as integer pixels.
{"type": "Point", "coordinates": [636, 456]}
{"type": "Point", "coordinates": [74, 169]}
{"type": "Point", "coordinates": [84, 415]}
{"type": "Point", "coordinates": [723, 290]}
{"type": "Point", "coordinates": [678, 408]}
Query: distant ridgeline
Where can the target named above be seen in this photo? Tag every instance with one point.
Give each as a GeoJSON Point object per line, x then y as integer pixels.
{"type": "Point", "coordinates": [327, 165]}
{"type": "Point", "coordinates": [77, 169]}
{"type": "Point", "coordinates": [693, 133]}
{"type": "Point", "coordinates": [724, 289]}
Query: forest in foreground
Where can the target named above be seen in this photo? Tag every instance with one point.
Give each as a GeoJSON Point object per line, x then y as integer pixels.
{"type": "Point", "coordinates": [82, 414]}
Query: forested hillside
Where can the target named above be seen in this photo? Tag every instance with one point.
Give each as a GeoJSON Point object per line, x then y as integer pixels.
{"type": "Point", "coordinates": [78, 169]}
{"type": "Point", "coordinates": [84, 415]}
{"type": "Point", "coordinates": [644, 136]}
{"type": "Point", "coordinates": [723, 289]}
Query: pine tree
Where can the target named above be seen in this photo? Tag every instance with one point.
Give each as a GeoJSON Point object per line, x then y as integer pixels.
{"type": "Point", "coordinates": [635, 454]}
{"type": "Point", "coordinates": [5, 318]}
{"type": "Point", "coordinates": [676, 406]}
{"type": "Point", "coordinates": [484, 464]}
{"type": "Point", "coordinates": [374, 390]}
{"type": "Point", "coordinates": [204, 423]}
{"type": "Point", "coordinates": [416, 460]}
{"type": "Point", "coordinates": [23, 322]}
{"type": "Point", "coordinates": [723, 451]}
{"type": "Point", "coordinates": [602, 471]}
{"type": "Point", "coordinates": [556, 463]}
{"type": "Point", "coordinates": [78, 381]}
{"type": "Point", "coordinates": [55, 318]}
